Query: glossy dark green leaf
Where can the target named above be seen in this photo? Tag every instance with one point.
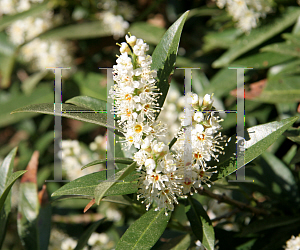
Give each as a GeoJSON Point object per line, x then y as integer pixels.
{"type": "Point", "coordinates": [145, 231]}
{"type": "Point", "coordinates": [6, 170]}
{"type": "Point", "coordinates": [33, 11]}
{"type": "Point", "coordinates": [44, 225]}
{"type": "Point", "coordinates": [86, 185]}
{"type": "Point", "coordinates": [86, 235]}
{"type": "Point", "coordinates": [258, 36]}
{"type": "Point", "coordinates": [146, 31]}
{"type": "Point", "coordinates": [258, 139]}
{"type": "Point", "coordinates": [116, 160]}
{"type": "Point", "coordinates": [164, 56]}
{"type": "Point", "coordinates": [200, 223]}
{"type": "Point", "coordinates": [78, 31]}
{"type": "Point", "coordinates": [48, 108]}
{"type": "Point", "coordinates": [104, 186]}
{"type": "Point", "coordinates": [88, 102]}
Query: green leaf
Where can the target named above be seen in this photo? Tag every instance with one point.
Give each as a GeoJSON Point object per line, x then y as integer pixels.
{"type": "Point", "coordinates": [284, 48]}
{"type": "Point", "coordinates": [6, 67]}
{"type": "Point", "coordinates": [293, 134]}
{"type": "Point", "coordinates": [294, 38]}
{"type": "Point", "coordinates": [258, 36]}
{"type": "Point", "coordinates": [6, 46]}
{"type": "Point", "coordinates": [145, 231]}
{"type": "Point", "coordinates": [30, 83]}
{"type": "Point", "coordinates": [200, 223]}
{"type": "Point", "coordinates": [148, 32]}
{"type": "Point", "coordinates": [86, 185]}
{"type": "Point", "coordinates": [6, 170]}
{"type": "Point", "coordinates": [86, 235]}
{"type": "Point", "coordinates": [28, 211]}
{"type": "Point", "coordinates": [78, 31]}
{"type": "Point", "coordinates": [88, 102]}
{"type": "Point", "coordinates": [261, 60]}
{"type": "Point", "coordinates": [91, 84]}
{"type": "Point", "coordinates": [222, 39]}
{"type": "Point", "coordinates": [44, 225]}
{"type": "Point", "coordinates": [116, 160]}
{"type": "Point", "coordinates": [181, 242]}
{"type": "Point", "coordinates": [33, 11]}
{"type": "Point", "coordinates": [10, 182]}
{"type": "Point", "coordinates": [41, 93]}
{"type": "Point", "coordinates": [281, 89]}
{"type": "Point", "coordinates": [258, 139]}
{"type": "Point", "coordinates": [104, 186]}
{"type": "Point", "coordinates": [164, 56]}
{"type": "Point", "coordinates": [48, 108]}
{"type": "Point", "coordinates": [268, 223]}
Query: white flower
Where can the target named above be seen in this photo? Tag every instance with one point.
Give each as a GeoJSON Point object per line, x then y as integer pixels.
{"type": "Point", "coordinates": [293, 243]}
{"type": "Point", "coordinates": [68, 244]}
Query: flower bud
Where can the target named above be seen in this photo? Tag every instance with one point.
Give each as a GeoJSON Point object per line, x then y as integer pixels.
{"type": "Point", "coordinates": [131, 40]}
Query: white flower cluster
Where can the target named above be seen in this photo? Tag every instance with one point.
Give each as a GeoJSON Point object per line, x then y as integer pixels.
{"type": "Point", "coordinates": [60, 241]}
{"type": "Point", "coordinates": [135, 92]}
{"type": "Point", "coordinates": [116, 24]}
{"type": "Point", "coordinates": [164, 175]}
{"type": "Point", "coordinates": [10, 7]}
{"type": "Point", "coordinates": [48, 53]}
{"type": "Point", "coordinates": [75, 156]}
{"type": "Point", "coordinates": [40, 53]}
{"type": "Point", "coordinates": [246, 12]}
{"type": "Point", "coordinates": [293, 243]}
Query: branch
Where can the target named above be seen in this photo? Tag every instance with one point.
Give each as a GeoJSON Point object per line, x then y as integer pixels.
{"type": "Point", "coordinates": [225, 199]}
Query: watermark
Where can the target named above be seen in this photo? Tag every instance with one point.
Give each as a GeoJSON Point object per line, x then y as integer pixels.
{"type": "Point", "coordinates": [110, 111]}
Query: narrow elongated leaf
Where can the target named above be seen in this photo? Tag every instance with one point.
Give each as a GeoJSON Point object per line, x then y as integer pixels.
{"type": "Point", "coordinates": [200, 223]}
{"type": "Point", "coordinates": [78, 31]}
{"type": "Point", "coordinates": [145, 231]}
{"type": "Point", "coordinates": [258, 36]}
{"type": "Point", "coordinates": [41, 93]}
{"type": "Point", "coordinates": [6, 46]}
{"type": "Point", "coordinates": [30, 83]}
{"type": "Point", "coordinates": [86, 185]}
{"type": "Point", "coordinates": [11, 180]}
{"type": "Point", "coordinates": [258, 139]}
{"type": "Point", "coordinates": [148, 32]}
{"type": "Point", "coordinates": [33, 11]}
{"type": "Point", "coordinates": [86, 235]}
{"type": "Point", "coordinates": [294, 38]}
{"type": "Point", "coordinates": [88, 102]}
{"type": "Point", "coordinates": [116, 160]}
{"type": "Point", "coordinates": [76, 114]}
{"type": "Point", "coordinates": [281, 89]}
{"type": "Point", "coordinates": [28, 207]}
{"type": "Point", "coordinates": [6, 67]}
{"type": "Point", "coordinates": [181, 242]}
{"type": "Point", "coordinates": [6, 170]}
{"type": "Point", "coordinates": [283, 48]}
{"type": "Point", "coordinates": [103, 187]}
{"type": "Point", "coordinates": [261, 60]}
{"type": "Point", "coordinates": [267, 223]}
{"type": "Point", "coordinates": [164, 56]}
